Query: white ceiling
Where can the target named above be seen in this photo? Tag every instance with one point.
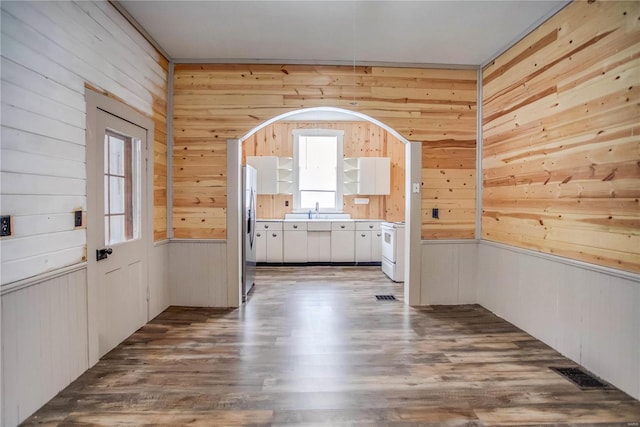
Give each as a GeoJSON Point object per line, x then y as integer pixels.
{"type": "Point", "coordinates": [405, 32]}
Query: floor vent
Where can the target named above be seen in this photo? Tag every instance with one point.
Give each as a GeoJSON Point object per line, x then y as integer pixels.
{"type": "Point", "coordinates": [581, 378]}
{"type": "Point", "coordinates": [386, 298]}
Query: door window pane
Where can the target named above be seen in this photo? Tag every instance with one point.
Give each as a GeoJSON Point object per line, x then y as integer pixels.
{"type": "Point", "coordinates": [116, 194]}
{"type": "Point", "coordinates": [116, 155]}
{"type": "Point", "coordinates": [117, 229]}
{"type": "Point", "coordinates": [122, 168]}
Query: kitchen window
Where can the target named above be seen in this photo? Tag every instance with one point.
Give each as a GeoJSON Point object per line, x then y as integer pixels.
{"type": "Point", "coordinates": [317, 169]}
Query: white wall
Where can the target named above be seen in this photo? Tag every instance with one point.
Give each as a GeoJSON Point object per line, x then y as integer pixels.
{"type": "Point", "coordinates": [44, 342]}
{"type": "Point", "coordinates": [49, 50]}
{"type": "Point", "coordinates": [159, 291]}
{"type": "Point", "coordinates": [198, 273]}
{"type": "Point", "coordinates": [586, 313]}
{"type": "Point", "coordinates": [448, 272]}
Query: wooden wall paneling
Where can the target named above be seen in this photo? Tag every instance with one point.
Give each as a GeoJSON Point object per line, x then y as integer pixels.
{"type": "Point", "coordinates": [215, 102]}
{"type": "Point", "coordinates": [44, 74]}
{"type": "Point", "coordinates": [395, 202]}
{"type": "Point", "coordinates": [362, 139]}
{"type": "Point", "coordinates": [561, 147]}
{"type": "Point", "coordinates": [449, 185]}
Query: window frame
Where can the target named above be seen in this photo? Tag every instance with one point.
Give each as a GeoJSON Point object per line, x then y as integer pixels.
{"type": "Point", "coordinates": [132, 191]}
{"type": "Point", "coordinates": [339, 134]}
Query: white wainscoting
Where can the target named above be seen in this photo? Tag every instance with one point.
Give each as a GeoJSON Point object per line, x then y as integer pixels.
{"type": "Point", "coordinates": [448, 272]}
{"type": "Point", "coordinates": [159, 296]}
{"type": "Point", "coordinates": [588, 314]}
{"type": "Point", "coordinates": [44, 342]}
{"type": "Point", "coordinates": [198, 274]}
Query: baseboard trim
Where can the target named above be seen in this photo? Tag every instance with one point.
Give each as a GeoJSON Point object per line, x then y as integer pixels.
{"type": "Point", "coordinates": [319, 264]}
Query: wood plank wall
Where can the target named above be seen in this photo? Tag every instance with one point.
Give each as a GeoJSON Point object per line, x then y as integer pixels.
{"type": "Point", "coordinates": [561, 124]}
{"type": "Point", "coordinates": [50, 51]}
{"type": "Point", "coordinates": [361, 139]}
{"type": "Point", "coordinates": [215, 102]}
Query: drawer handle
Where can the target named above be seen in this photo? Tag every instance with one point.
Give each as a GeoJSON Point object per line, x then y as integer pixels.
{"type": "Point", "coordinates": [274, 235]}
{"type": "Point", "coordinates": [370, 226]}
{"type": "Point", "coordinates": [379, 234]}
{"type": "Point", "coordinates": [257, 234]}
{"type": "Point", "coordinates": [295, 226]}
{"type": "Point", "coordinates": [363, 235]}
{"type": "Point", "coordinates": [266, 226]}
{"type": "Point", "coordinates": [342, 226]}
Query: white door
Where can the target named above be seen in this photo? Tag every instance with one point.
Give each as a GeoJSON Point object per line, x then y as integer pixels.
{"type": "Point", "coordinates": [119, 233]}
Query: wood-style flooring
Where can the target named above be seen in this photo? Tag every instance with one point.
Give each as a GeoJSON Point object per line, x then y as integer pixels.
{"type": "Point", "coordinates": [314, 347]}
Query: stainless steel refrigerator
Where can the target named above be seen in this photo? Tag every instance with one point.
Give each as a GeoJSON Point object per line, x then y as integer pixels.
{"type": "Point", "coordinates": [249, 203]}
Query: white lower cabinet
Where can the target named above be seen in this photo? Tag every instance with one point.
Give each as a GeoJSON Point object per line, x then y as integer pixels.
{"type": "Point", "coordinates": [368, 241]}
{"type": "Point", "coordinates": [318, 241]}
{"type": "Point", "coordinates": [261, 246]}
{"type": "Point", "coordinates": [363, 246]}
{"type": "Point", "coordinates": [319, 246]}
{"type": "Point", "coordinates": [342, 241]}
{"type": "Point", "coordinates": [295, 241]}
{"type": "Point", "coordinates": [274, 246]}
{"type": "Point", "coordinates": [376, 245]}
{"type": "Point", "coordinates": [271, 232]}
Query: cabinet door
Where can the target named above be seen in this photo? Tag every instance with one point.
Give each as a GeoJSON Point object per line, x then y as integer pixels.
{"type": "Point", "coordinates": [367, 175]}
{"type": "Point", "coordinates": [319, 246]}
{"type": "Point", "coordinates": [342, 246]}
{"type": "Point", "coordinates": [383, 175]}
{"type": "Point", "coordinates": [274, 246]}
{"type": "Point", "coordinates": [269, 175]}
{"type": "Point", "coordinates": [295, 246]}
{"type": "Point", "coordinates": [261, 246]}
{"type": "Point", "coordinates": [363, 246]}
{"type": "Point", "coordinates": [376, 246]}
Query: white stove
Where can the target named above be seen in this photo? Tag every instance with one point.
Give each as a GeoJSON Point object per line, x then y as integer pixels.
{"type": "Point", "coordinates": [393, 250]}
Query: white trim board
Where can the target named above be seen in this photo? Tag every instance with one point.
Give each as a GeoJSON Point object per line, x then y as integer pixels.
{"type": "Point", "coordinates": [50, 275]}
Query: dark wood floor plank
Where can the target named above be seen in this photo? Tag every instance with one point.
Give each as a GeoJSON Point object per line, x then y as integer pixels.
{"type": "Point", "coordinates": [314, 347]}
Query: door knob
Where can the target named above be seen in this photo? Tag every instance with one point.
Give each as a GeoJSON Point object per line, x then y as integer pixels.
{"type": "Point", "coordinates": [103, 253]}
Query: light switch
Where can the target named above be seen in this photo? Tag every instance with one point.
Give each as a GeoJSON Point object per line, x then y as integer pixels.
{"type": "Point", "coordinates": [416, 187]}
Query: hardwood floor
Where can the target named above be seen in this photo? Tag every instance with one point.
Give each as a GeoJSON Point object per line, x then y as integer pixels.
{"type": "Point", "coordinates": [313, 347]}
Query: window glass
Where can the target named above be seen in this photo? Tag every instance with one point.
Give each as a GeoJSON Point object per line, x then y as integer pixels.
{"type": "Point", "coordinates": [318, 169]}
{"type": "Point", "coordinates": [122, 170]}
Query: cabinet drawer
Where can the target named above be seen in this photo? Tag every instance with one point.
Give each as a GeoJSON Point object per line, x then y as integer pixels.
{"type": "Point", "coordinates": [343, 226]}
{"type": "Point", "coordinates": [269, 225]}
{"type": "Point", "coordinates": [295, 226]}
{"type": "Point", "coordinates": [367, 225]}
{"type": "Point", "coordinates": [318, 226]}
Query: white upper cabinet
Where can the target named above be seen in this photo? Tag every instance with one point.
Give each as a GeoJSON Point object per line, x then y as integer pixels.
{"type": "Point", "coordinates": [274, 174]}
{"type": "Point", "coordinates": [367, 175]}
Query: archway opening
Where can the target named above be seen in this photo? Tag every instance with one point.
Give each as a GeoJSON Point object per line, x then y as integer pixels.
{"type": "Point", "coordinates": [411, 197]}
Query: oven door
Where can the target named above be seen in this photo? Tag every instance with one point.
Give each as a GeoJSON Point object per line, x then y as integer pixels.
{"type": "Point", "coordinates": [388, 243]}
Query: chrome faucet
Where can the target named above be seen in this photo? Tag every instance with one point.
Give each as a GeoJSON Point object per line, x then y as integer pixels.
{"type": "Point", "coordinates": [317, 210]}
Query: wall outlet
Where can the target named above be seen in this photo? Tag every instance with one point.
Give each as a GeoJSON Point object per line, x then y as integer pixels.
{"type": "Point", "coordinates": [435, 213]}
{"type": "Point", "coordinates": [77, 218]}
{"type": "Point", "coordinates": [5, 225]}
